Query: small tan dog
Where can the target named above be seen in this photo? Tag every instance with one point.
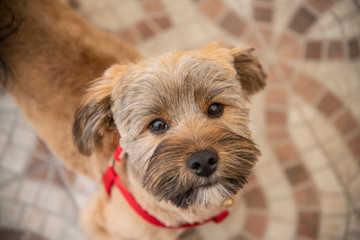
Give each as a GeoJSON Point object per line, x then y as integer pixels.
{"type": "Point", "coordinates": [182, 117]}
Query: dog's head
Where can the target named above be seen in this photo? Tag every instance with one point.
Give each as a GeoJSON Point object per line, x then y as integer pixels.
{"type": "Point", "coordinates": [182, 119]}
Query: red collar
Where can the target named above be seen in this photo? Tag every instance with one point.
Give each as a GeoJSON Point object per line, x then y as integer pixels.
{"type": "Point", "coordinates": [110, 177]}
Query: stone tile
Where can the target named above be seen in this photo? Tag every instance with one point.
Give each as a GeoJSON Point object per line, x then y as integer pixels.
{"type": "Point", "coordinates": [302, 20]}
{"type": "Point", "coordinates": [280, 230]}
{"type": "Point", "coordinates": [145, 30]}
{"type": "Point", "coordinates": [315, 159]}
{"type": "Point", "coordinates": [69, 212]}
{"type": "Point", "coordinates": [286, 152]}
{"type": "Point", "coordinates": [269, 173]}
{"type": "Point", "coordinates": [15, 160]}
{"type": "Point", "coordinates": [283, 210]}
{"type": "Point", "coordinates": [10, 213]}
{"type": "Point", "coordinates": [343, 8]}
{"type": "Point", "coordinates": [253, 40]}
{"type": "Point", "coordinates": [308, 224]}
{"type": "Point", "coordinates": [72, 233]}
{"type": "Point", "coordinates": [276, 117]}
{"type": "Point", "coordinates": [329, 103]}
{"type": "Point", "coordinates": [28, 191]}
{"type": "Point", "coordinates": [327, 182]}
{"type": "Point", "coordinates": [345, 122]}
{"type": "Point", "coordinates": [297, 174]}
{"type": "Point", "coordinates": [276, 96]}
{"type": "Point", "coordinates": [41, 173]}
{"type": "Point", "coordinates": [333, 227]}
{"type": "Point", "coordinates": [35, 162]}
{"type": "Point", "coordinates": [54, 227]}
{"type": "Point", "coordinates": [325, 133]}
{"type": "Point", "coordinates": [277, 134]}
{"type": "Point", "coordinates": [256, 224]}
{"type": "Point", "coordinates": [163, 22]}
{"type": "Point", "coordinates": [272, 76]}
{"type": "Point", "coordinates": [266, 32]}
{"type": "Point", "coordinates": [295, 51]}
{"type": "Point", "coordinates": [129, 13]}
{"type": "Point", "coordinates": [334, 204]}
{"type": "Point", "coordinates": [7, 103]}
{"type": "Point", "coordinates": [354, 145]}
{"type": "Point", "coordinates": [320, 5]}
{"type": "Point", "coordinates": [10, 190]}
{"type": "Point", "coordinates": [255, 198]}
{"type": "Point", "coordinates": [106, 19]}
{"type": "Point", "coordinates": [233, 24]}
{"type": "Point", "coordinates": [286, 70]}
{"type": "Point", "coordinates": [306, 111]}
{"type": "Point", "coordinates": [353, 45]}
{"type": "Point", "coordinates": [335, 50]}
{"type": "Point", "coordinates": [212, 8]}
{"type": "Point", "coordinates": [11, 234]}
{"type": "Point", "coordinates": [68, 174]}
{"type": "Point", "coordinates": [307, 87]}
{"type": "Point", "coordinates": [314, 50]}
{"type": "Point", "coordinates": [50, 198]}
{"type": "Point", "coordinates": [153, 6]}
{"type": "Point", "coordinates": [346, 169]}
{"type": "Point", "coordinates": [6, 121]}
{"type": "Point", "coordinates": [5, 177]}
{"type": "Point", "coordinates": [4, 141]}
{"type": "Point", "coordinates": [336, 149]}
{"type": "Point", "coordinates": [32, 219]}
{"type": "Point", "coordinates": [354, 191]}
{"type": "Point", "coordinates": [278, 190]}
{"type": "Point", "coordinates": [263, 14]}
{"type": "Point", "coordinates": [354, 226]}
{"type": "Point", "coordinates": [307, 196]}
{"type": "Point", "coordinates": [296, 113]}
{"type": "Point", "coordinates": [42, 148]}
{"type": "Point", "coordinates": [34, 236]}
{"type": "Point", "coordinates": [128, 36]}
{"type": "Point", "coordinates": [303, 137]}
{"type": "Point", "coordinates": [24, 137]}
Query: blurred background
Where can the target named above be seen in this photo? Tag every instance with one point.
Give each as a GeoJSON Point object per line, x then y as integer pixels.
{"type": "Point", "coordinates": [306, 123]}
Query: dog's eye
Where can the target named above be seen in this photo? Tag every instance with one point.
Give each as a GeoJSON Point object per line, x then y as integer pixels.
{"type": "Point", "coordinates": [158, 126]}
{"type": "Point", "coordinates": [215, 110]}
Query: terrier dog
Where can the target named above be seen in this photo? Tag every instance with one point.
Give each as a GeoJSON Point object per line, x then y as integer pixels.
{"type": "Point", "coordinates": [181, 120]}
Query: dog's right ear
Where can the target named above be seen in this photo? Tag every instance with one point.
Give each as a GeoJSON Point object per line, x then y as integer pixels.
{"type": "Point", "coordinates": [94, 118]}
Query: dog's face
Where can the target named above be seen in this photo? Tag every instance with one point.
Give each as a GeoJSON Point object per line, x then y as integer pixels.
{"type": "Point", "coordinates": [182, 120]}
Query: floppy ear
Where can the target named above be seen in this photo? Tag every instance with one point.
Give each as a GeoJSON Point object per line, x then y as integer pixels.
{"type": "Point", "coordinates": [94, 119]}
{"type": "Point", "coordinates": [249, 70]}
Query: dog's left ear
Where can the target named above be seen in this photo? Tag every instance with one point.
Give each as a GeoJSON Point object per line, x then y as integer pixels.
{"type": "Point", "coordinates": [249, 70]}
{"type": "Point", "coordinates": [94, 118]}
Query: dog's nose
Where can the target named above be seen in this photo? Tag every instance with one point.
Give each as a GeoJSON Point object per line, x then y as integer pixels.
{"type": "Point", "coordinates": [203, 163]}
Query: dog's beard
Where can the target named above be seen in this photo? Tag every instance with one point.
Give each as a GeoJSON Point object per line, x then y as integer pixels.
{"type": "Point", "coordinates": [168, 178]}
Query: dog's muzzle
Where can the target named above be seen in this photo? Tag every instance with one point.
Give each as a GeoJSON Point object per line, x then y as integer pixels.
{"type": "Point", "coordinates": [203, 163]}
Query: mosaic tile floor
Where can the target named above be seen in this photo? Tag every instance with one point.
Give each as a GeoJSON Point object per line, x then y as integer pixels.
{"type": "Point", "coordinates": [307, 121]}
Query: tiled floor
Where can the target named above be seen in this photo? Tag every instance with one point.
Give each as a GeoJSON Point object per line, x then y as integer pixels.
{"type": "Point", "coordinates": [306, 122]}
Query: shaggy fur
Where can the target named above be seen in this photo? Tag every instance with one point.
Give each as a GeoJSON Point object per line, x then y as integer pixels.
{"type": "Point", "coordinates": [53, 55]}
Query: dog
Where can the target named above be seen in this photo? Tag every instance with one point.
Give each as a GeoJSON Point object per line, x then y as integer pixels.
{"type": "Point", "coordinates": [181, 119]}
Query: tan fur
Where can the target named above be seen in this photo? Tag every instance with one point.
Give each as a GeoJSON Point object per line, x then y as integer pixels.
{"type": "Point", "coordinates": [51, 64]}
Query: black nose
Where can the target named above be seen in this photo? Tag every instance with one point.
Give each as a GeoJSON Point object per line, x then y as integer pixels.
{"type": "Point", "coordinates": [203, 163]}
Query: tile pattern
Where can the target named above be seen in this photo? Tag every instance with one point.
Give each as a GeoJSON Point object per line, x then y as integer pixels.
{"type": "Point", "coordinates": [307, 183]}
